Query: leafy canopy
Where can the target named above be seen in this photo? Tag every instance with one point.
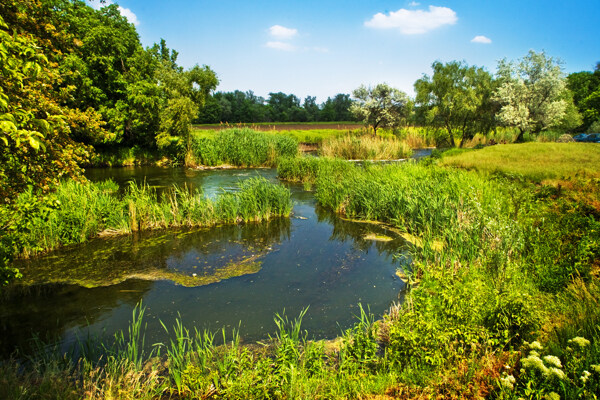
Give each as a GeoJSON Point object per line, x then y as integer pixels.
{"type": "Point", "coordinates": [531, 93]}
{"type": "Point", "coordinates": [458, 98]}
{"type": "Point", "coordinates": [381, 106]}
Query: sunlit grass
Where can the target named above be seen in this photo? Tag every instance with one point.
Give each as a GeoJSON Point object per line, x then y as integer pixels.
{"type": "Point", "coordinates": [534, 161]}
{"type": "Point", "coordinates": [366, 147]}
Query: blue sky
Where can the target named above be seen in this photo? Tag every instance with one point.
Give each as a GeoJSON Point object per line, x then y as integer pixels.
{"type": "Point", "coordinates": [325, 47]}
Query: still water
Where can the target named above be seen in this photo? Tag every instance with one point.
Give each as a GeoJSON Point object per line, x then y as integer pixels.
{"type": "Point", "coordinates": [228, 276]}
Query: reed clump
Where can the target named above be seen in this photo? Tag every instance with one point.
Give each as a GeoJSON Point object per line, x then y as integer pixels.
{"type": "Point", "coordinates": [365, 147]}
{"type": "Point", "coordinates": [242, 147]}
{"type": "Point", "coordinates": [80, 211]}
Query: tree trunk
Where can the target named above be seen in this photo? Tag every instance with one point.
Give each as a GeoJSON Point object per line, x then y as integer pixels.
{"type": "Point", "coordinates": [519, 138]}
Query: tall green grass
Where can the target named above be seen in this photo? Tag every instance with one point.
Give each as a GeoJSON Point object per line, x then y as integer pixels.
{"type": "Point", "coordinates": [366, 147]}
{"type": "Point", "coordinates": [82, 211]}
{"type": "Point", "coordinates": [242, 147]}
{"type": "Point", "coordinates": [202, 364]}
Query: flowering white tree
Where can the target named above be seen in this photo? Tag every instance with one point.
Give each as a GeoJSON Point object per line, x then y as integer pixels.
{"type": "Point", "coordinates": [380, 106]}
{"type": "Point", "coordinates": [531, 93]}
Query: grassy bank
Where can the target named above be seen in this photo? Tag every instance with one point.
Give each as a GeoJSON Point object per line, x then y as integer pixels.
{"type": "Point", "coordinates": [80, 211]}
{"type": "Point", "coordinates": [534, 161]}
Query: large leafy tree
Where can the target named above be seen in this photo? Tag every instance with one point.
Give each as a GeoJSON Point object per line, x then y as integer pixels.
{"type": "Point", "coordinates": [380, 106]}
{"type": "Point", "coordinates": [531, 93]}
{"type": "Point", "coordinates": [585, 86]}
{"type": "Point", "coordinates": [36, 145]}
{"type": "Point", "coordinates": [183, 93]}
{"type": "Point", "coordinates": [457, 98]}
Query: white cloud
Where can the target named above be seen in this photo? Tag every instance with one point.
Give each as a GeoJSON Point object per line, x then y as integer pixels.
{"type": "Point", "coordinates": [321, 49]}
{"type": "Point", "coordinates": [481, 39]}
{"type": "Point", "coordinates": [131, 17]}
{"type": "Point", "coordinates": [413, 4]}
{"type": "Point", "coordinates": [126, 12]}
{"type": "Point", "coordinates": [412, 22]}
{"type": "Point", "coordinates": [281, 32]}
{"type": "Point", "coordinates": [95, 4]}
{"type": "Point", "coordinates": [280, 46]}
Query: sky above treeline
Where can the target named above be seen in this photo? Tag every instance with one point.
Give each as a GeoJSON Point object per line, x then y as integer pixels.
{"type": "Point", "coordinates": [324, 47]}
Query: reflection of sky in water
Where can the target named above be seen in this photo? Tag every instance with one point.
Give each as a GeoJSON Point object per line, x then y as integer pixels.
{"type": "Point", "coordinates": [312, 259]}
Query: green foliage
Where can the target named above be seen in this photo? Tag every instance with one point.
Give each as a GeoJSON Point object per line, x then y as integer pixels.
{"type": "Point", "coordinates": [360, 343]}
{"type": "Point", "coordinates": [81, 211]}
{"type": "Point", "coordinates": [531, 93]}
{"type": "Point", "coordinates": [585, 87]}
{"type": "Point", "coordinates": [595, 127]}
{"type": "Point", "coordinates": [458, 98]}
{"type": "Point", "coordinates": [512, 319]}
{"type": "Point", "coordinates": [246, 107]}
{"type": "Point", "coordinates": [364, 148]}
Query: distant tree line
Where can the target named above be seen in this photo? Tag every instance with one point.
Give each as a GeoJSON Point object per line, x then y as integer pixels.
{"type": "Point", "coordinates": [246, 107]}
{"type": "Point", "coordinates": [531, 94]}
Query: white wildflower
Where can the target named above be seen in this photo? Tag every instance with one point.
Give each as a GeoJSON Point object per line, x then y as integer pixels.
{"type": "Point", "coordinates": [552, 396]}
{"type": "Point", "coordinates": [508, 382]}
{"type": "Point", "coordinates": [553, 360]}
{"type": "Point", "coordinates": [534, 362]}
{"type": "Point", "coordinates": [553, 372]}
{"type": "Point", "coordinates": [580, 341]}
{"type": "Point", "coordinates": [535, 346]}
{"type": "Point", "coordinates": [534, 353]}
{"type": "Point", "coordinates": [584, 376]}
{"type": "Point", "coordinates": [596, 368]}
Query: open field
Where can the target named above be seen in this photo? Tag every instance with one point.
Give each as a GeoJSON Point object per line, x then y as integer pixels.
{"type": "Point", "coordinates": [535, 161]}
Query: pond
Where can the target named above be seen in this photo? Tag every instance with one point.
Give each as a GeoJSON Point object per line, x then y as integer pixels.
{"type": "Point", "coordinates": [229, 276]}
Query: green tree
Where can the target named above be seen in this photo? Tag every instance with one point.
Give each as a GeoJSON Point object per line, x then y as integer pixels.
{"type": "Point", "coordinates": [458, 98]}
{"type": "Point", "coordinates": [531, 93]}
{"type": "Point", "coordinates": [183, 94]}
{"type": "Point", "coordinates": [585, 86]}
{"type": "Point", "coordinates": [36, 147]}
{"type": "Point", "coordinates": [381, 106]}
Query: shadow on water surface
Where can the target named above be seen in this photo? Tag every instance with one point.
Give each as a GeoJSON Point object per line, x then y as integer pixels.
{"type": "Point", "coordinates": [212, 278]}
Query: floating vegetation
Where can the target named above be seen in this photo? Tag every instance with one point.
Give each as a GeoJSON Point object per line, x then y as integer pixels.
{"type": "Point", "coordinates": [246, 266]}
{"type": "Point", "coordinates": [378, 238]}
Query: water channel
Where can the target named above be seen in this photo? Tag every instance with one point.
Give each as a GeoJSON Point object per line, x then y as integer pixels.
{"type": "Point", "coordinates": [228, 276]}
